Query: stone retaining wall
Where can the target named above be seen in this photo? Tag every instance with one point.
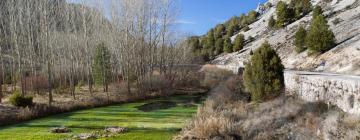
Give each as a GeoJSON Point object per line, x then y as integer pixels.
{"type": "Point", "coordinates": [340, 90]}
{"type": "Point", "coordinates": [335, 89]}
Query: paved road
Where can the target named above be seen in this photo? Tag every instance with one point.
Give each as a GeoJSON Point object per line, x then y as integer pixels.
{"type": "Point", "coordinates": [326, 75]}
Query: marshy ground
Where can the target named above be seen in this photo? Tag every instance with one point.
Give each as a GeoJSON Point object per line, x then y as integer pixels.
{"type": "Point", "coordinates": [158, 123]}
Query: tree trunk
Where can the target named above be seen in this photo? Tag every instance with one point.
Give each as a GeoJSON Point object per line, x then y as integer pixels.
{"type": "Point", "coordinates": [49, 84]}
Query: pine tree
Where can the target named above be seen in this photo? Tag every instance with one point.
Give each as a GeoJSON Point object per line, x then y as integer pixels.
{"type": "Point", "coordinates": [272, 22]}
{"type": "Point", "coordinates": [232, 29]}
{"type": "Point", "coordinates": [227, 45]}
{"type": "Point", "coordinates": [300, 37]}
{"type": "Point", "coordinates": [239, 43]}
{"type": "Point", "coordinates": [102, 66]}
{"type": "Point", "coordinates": [242, 20]}
{"type": "Point", "coordinates": [263, 75]}
{"type": "Point", "coordinates": [210, 44]}
{"type": "Point", "coordinates": [195, 45]}
{"type": "Point", "coordinates": [220, 30]}
{"type": "Point", "coordinates": [301, 7]}
{"type": "Point", "coordinates": [281, 12]}
{"type": "Point", "coordinates": [320, 38]}
{"type": "Point", "coordinates": [251, 17]}
{"type": "Point", "coordinates": [219, 46]}
{"type": "Point", "coordinates": [317, 11]}
{"type": "Point", "coordinates": [210, 40]}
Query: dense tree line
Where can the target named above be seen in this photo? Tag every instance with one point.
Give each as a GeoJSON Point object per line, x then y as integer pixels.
{"type": "Point", "coordinates": [46, 44]}
{"type": "Point", "coordinates": [217, 40]}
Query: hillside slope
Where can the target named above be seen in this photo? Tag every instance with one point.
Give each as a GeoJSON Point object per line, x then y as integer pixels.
{"type": "Point", "coordinates": [344, 21]}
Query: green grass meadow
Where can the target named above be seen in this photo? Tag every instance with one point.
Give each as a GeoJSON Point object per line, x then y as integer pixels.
{"type": "Point", "coordinates": [154, 125]}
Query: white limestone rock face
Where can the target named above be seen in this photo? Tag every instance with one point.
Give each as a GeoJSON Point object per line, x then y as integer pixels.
{"type": "Point", "coordinates": [344, 21]}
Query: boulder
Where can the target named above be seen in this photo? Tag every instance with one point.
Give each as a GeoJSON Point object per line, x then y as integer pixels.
{"type": "Point", "coordinates": [116, 129]}
{"type": "Point", "coordinates": [85, 136]}
{"type": "Point", "coordinates": [60, 130]}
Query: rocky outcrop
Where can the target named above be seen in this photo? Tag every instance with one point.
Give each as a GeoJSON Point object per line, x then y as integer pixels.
{"type": "Point", "coordinates": [343, 18]}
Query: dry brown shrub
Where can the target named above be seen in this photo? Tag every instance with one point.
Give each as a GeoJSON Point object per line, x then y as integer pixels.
{"type": "Point", "coordinates": [37, 83]}
{"type": "Point", "coordinates": [188, 79]}
{"type": "Point", "coordinates": [156, 83]}
{"type": "Point", "coordinates": [213, 76]}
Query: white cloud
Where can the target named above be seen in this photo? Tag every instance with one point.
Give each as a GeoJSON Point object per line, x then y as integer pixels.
{"type": "Point", "coordinates": [184, 22]}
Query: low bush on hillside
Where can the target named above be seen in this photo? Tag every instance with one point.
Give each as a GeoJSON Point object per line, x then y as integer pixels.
{"type": "Point", "coordinates": [263, 75]}
{"type": "Point", "coordinates": [20, 101]}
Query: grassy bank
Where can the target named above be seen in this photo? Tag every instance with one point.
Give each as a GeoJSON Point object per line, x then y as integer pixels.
{"type": "Point", "coordinates": [156, 124]}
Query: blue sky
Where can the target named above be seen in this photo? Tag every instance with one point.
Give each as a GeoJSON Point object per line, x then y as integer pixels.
{"type": "Point", "coordinates": [198, 16]}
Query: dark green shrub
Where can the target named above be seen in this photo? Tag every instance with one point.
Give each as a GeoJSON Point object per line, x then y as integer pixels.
{"type": "Point", "coordinates": [250, 39]}
{"type": "Point", "coordinates": [219, 46]}
{"type": "Point", "coordinates": [301, 7]}
{"type": "Point", "coordinates": [252, 16]}
{"type": "Point", "coordinates": [272, 22]}
{"type": "Point", "coordinates": [232, 29]}
{"type": "Point", "coordinates": [239, 43]}
{"type": "Point", "coordinates": [246, 28]}
{"type": "Point", "coordinates": [263, 75]}
{"type": "Point", "coordinates": [20, 101]}
{"type": "Point", "coordinates": [317, 11]}
{"type": "Point", "coordinates": [300, 37]}
{"type": "Point", "coordinates": [228, 47]}
{"type": "Point", "coordinates": [320, 38]}
{"type": "Point", "coordinates": [220, 30]}
{"type": "Point", "coordinates": [194, 43]}
{"type": "Point", "coordinates": [209, 44]}
{"type": "Point", "coordinates": [281, 12]}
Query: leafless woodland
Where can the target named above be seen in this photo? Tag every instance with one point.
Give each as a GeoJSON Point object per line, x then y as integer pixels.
{"type": "Point", "coordinates": [45, 44]}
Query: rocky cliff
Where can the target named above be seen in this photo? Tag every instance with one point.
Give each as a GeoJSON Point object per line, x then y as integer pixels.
{"type": "Point", "coordinates": [344, 21]}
